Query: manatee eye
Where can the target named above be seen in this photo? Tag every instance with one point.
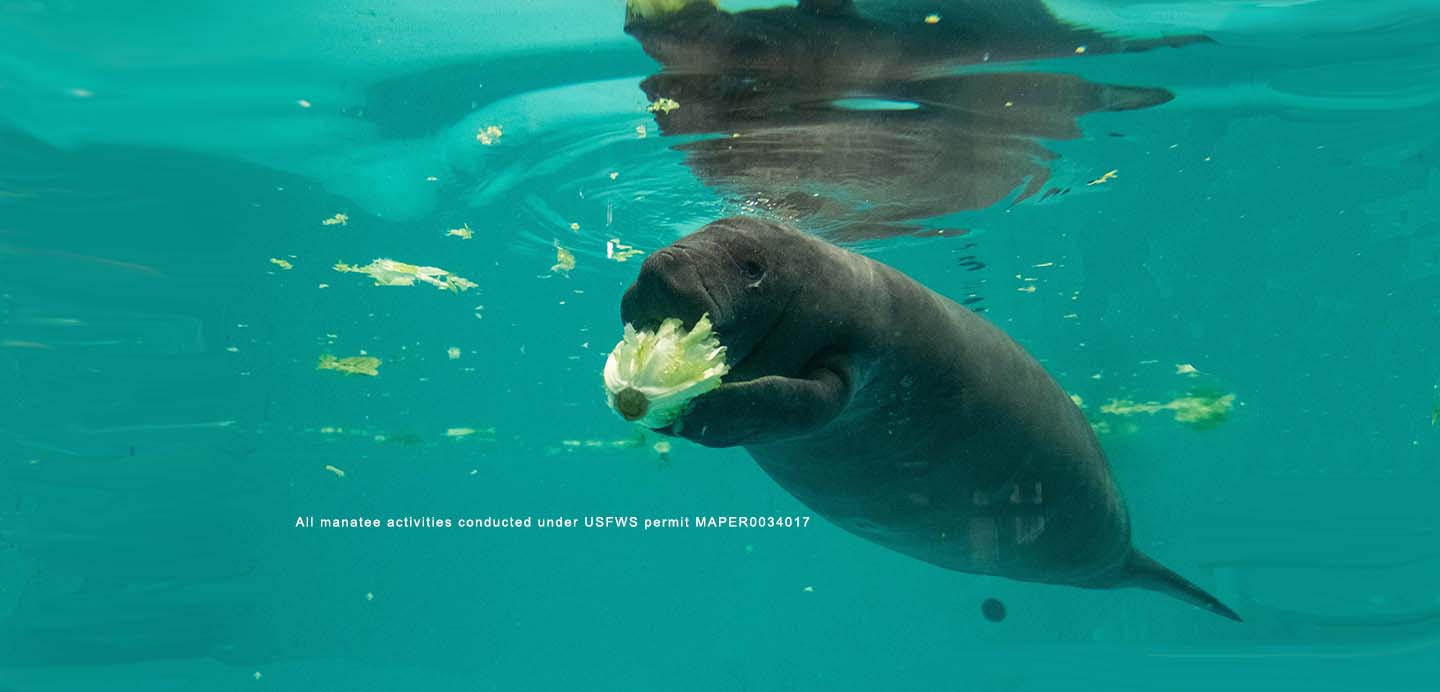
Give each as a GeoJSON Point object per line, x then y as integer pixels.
{"type": "Point", "coordinates": [752, 269]}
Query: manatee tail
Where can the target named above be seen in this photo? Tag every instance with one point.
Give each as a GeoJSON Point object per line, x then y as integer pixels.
{"type": "Point", "coordinates": [1146, 573]}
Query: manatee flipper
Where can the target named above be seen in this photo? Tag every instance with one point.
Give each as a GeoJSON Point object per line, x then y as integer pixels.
{"type": "Point", "coordinates": [764, 409]}
{"type": "Point", "coordinates": [1145, 573]}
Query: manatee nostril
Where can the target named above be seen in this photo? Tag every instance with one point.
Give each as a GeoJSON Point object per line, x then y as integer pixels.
{"type": "Point", "coordinates": [631, 404]}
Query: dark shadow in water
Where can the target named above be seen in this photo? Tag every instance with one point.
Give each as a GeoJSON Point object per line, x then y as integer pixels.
{"type": "Point", "coordinates": [127, 488]}
{"type": "Point", "coordinates": [853, 118]}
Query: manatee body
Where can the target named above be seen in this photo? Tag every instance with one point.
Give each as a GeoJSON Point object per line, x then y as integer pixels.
{"type": "Point", "coordinates": [894, 412]}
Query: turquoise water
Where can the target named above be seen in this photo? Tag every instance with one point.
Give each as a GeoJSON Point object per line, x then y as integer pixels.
{"type": "Point", "coordinates": [163, 423]}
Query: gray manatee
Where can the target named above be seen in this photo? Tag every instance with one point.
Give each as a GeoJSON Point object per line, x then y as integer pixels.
{"type": "Point", "coordinates": [894, 412]}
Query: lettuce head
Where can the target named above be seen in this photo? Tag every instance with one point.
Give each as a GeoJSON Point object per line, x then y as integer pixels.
{"type": "Point", "coordinates": [651, 376]}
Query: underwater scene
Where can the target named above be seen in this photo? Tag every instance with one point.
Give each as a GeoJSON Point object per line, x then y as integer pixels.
{"type": "Point", "coordinates": [872, 345]}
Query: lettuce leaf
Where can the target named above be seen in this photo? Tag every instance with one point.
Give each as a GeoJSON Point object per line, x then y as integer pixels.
{"type": "Point", "coordinates": [651, 376]}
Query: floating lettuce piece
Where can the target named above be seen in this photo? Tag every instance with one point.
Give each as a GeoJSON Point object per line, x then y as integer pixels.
{"type": "Point", "coordinates": [663, 105]}
{"type": "Point", "coordinates": [1200, 410]}
{"type": "Point", "coordinates": [491, 134]}
{"type": "Point", "coordinates": [651, 376]}
{"type": "Point", "coordinates": [564, 261]}
{"type": "Point", "coordinates": [659, 9]}
{"type": "Point", "coordinates": [388, 272]}
{"type": "Point", "coordinates": [354, 365]}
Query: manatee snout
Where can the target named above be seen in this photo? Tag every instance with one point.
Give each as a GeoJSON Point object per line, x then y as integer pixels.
{"type": "Point", "coordinates": [669, 285]}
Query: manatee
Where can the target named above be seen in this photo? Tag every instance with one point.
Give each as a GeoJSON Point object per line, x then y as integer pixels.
{"type": "Point", "coordinates": [895, 413]}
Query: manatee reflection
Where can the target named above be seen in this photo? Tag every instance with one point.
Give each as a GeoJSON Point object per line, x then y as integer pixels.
{"type": "Point", "coordinates": [852, 117]}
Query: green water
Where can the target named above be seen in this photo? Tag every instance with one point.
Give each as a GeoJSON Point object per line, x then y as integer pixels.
{"type": "Point", "coordinates": [163, 423]}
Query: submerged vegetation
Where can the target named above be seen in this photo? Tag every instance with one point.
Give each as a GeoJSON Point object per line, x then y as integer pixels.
{"type": "Point", "coordinates": [1200, 410]}
{"type": "Point", "coordinates": [353, 365]}
{"type": "Point", "coordinates": [388, 272]}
